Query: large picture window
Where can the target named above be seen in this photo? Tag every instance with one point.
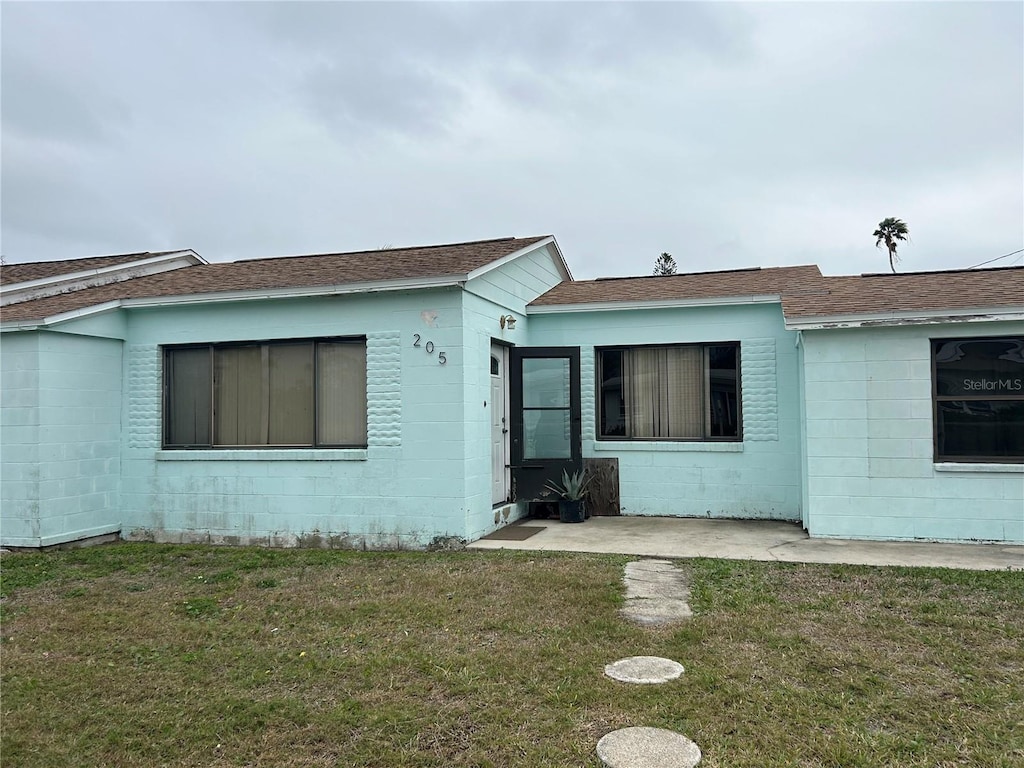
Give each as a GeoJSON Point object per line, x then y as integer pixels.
{"type": "Point", "coordinates": [277, 393]}
{"type": "Point", "coordinates": [979, 399]}
{"type": "Point", "coordinates": [680, 392]}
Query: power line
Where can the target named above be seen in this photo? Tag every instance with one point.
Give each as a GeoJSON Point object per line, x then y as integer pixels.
{"type": "Point", "coordinates": [1014, 253]}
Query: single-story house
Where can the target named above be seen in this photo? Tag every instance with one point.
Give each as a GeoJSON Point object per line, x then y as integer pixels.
{"type": "Point", "coordinates": [410, 396]}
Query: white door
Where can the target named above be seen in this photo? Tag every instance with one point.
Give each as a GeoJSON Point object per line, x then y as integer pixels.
{"type": "Point", "coordinates": [498, 406]}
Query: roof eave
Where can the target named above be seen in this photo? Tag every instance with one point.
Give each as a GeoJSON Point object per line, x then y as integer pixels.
{"type": "Point", "coordinates": [234, 296]}
{"type": "Point", "coordinates": [32, 324]}
{"type": "Point", "coordinates": [374, 286]}
{"type": "Point", "coordinates": [906, 317]}
{"type": "Point", "coordinates": [611, 306]}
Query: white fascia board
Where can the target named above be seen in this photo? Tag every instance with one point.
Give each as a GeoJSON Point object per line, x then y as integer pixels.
{"type": "Point", "coordinates": [562, 267]}
{"type": "Point", "coordinates": [609, 306]}
{"type": "Point", "coordinates": [910, 317]}
{"type": "Point", "coordinates": [562, 263]}
{"type": "Point", "coordinates": [376, 286]}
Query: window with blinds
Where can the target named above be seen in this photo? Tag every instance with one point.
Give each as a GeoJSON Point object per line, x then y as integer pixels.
{"type": "Point", "coordinates": [678, 392]}
{"type": "Point", "coordinates": [300, 393]}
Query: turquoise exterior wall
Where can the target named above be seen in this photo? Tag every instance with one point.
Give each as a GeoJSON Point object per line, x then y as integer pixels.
{"type": "Point", "coordinates": [837, 425]}
{"type": "Point", "coordinates": [502, 291]}
{"type": "Point", "coordinates": [81, 459]}
{"type": "Point", "coordinates": [61, 437]}
{"type": "Point", "coordinates": [869, 427]}
{"type": "Point", "coordinates": [403, 490]}
{"type": "Point", "coordinates": [758, 478]}
{"type": "Point", "coordinates": [19, 439]}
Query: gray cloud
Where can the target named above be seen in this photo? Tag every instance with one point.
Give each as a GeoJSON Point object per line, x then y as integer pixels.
{"type": "Point", "coordinates": [729, 134]}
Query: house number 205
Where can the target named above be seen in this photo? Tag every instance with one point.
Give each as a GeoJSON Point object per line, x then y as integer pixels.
{"type": "Point", "coordinates": [429, 347]}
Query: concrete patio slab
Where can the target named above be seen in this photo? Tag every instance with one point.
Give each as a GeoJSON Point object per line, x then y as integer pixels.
{"type": "Point", "coordinates": [767, 540]}
{"type": "Point", "coordinates": [656, 593]}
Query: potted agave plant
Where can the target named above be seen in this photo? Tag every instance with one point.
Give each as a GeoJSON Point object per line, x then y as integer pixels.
{"type": "Point", "coordinates": [572, 492]}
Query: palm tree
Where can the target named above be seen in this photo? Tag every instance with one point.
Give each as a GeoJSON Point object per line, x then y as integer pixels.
{"type": "Point", "coordinates": [890, 230]}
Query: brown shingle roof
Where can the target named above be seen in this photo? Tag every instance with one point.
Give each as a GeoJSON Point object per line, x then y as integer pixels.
{"type": "Point", "coordinates": [911, 291]}
{"type": "Point", "coordinates": [455, 259]}
{"type": "Point", "coordinates": [699, 285]}
{"type": "Point", "coordinates": [806, 293]}
{"type": "Point", "coordinates": [37, 270]}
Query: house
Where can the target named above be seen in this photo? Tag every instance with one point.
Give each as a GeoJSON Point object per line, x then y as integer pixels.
{"type": "Point", "coordinates": [408, 397]}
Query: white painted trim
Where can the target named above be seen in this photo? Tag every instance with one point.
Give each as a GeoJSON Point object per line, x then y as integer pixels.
{"type": "Point", "coordinates": [550, 240]}
{"type": "Point", "coordinates": [265, 454]}
{"type": "Point", "coordinates": [54, 285]}
{"type": "Point", "coordinates": [610, 306]}
{"type": "Point", "coordinates": [375, 286]}
{"type": "Point", "coordinates": [32, 325]}
{"type": "Point", "coordinates": [953, 466]}
{"type": "Point", "coordinates": [562, 261]}
{"type": "Point", "coordinates": [907, 317]}
{"type": "Point", "coordinates": [614, 446]}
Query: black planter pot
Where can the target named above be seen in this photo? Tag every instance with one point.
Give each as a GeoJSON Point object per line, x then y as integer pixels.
{"type": "Point", "coordinates": [572, 511]}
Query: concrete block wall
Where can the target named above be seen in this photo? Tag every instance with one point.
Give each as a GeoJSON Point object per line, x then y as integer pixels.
{"type": "Point", "coordinates": [869, 443]}
{"type": "Point", "coordinates": [66, 487]}
{"type": "Point", "coordinates": [481, 327]}
{"type": "Point", "coordinates": [504, 290]}
{"type": "Point", "coordinates": [758, 478]}
{"type": "Point", "coordinates": [19, 439]}
{"type": "Point", "coordinates": [403, 490]}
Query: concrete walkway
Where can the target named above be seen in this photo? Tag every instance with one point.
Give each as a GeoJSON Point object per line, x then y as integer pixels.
{"type": "Point", "coordinates": [671, 537]}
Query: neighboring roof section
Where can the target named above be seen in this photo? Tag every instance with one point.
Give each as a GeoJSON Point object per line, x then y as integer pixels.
{"type": "Point", "coordinates": [39, 270]}
{"type": "Point", "coordinates": [24, 283]}
{"type": "Point", "coordinates": [876, 297]}
{"type": "Point", "coordinates": [808, 299]}
{"type": "Point", "coordinates": [694, 287]}
{"type": "Point", "coordinates": [393, 265]}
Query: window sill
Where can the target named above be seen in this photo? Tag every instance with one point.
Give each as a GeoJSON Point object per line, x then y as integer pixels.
{"type": "Point", "coordinates": [955, 466]}
{"type": "Point", "coordinates": [270, 454]}
{"type": "Point", "coordinates": [666, 445]}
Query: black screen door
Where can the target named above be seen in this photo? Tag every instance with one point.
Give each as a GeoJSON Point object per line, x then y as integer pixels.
{"type": "Point", "coordinates": [545, 410]}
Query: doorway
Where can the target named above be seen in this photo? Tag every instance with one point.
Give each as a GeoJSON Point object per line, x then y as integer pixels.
{"type": "Point", "coordinates": [545, 418]}
{"type": "Point", "coordinates": [500, 442]}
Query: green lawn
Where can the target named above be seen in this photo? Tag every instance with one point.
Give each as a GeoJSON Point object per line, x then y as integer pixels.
{"type": "Point", "coordinates": [146, 655]}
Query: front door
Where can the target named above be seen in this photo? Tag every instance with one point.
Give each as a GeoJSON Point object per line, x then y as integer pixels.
{"type": "Point", "coordinates": [545, 409]}
{"type": "Point", "coordinates": [499, 425]}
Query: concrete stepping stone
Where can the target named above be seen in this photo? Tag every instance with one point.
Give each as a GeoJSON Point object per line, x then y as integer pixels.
{"type": "Point", "coordinates": [656, 593]}
{"type": "Point", "coordinates": [642, 747]}
{"type": "Point", "coordinates": [645, 670]}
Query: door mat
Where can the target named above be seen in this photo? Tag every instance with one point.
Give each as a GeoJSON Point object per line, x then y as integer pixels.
{"type": "Point", "coordinates": [514, 533]}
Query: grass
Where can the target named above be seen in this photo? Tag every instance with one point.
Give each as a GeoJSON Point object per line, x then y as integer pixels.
{"type": "Point", "coordinates": [146, 655]}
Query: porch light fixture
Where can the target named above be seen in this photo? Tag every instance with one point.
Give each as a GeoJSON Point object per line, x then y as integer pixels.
{"type": "Point", "coordinates": [507, 321]}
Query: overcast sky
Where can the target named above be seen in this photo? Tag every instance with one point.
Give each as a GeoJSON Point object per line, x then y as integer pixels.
{"type": "Point", "coordinates": [728, 134]}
